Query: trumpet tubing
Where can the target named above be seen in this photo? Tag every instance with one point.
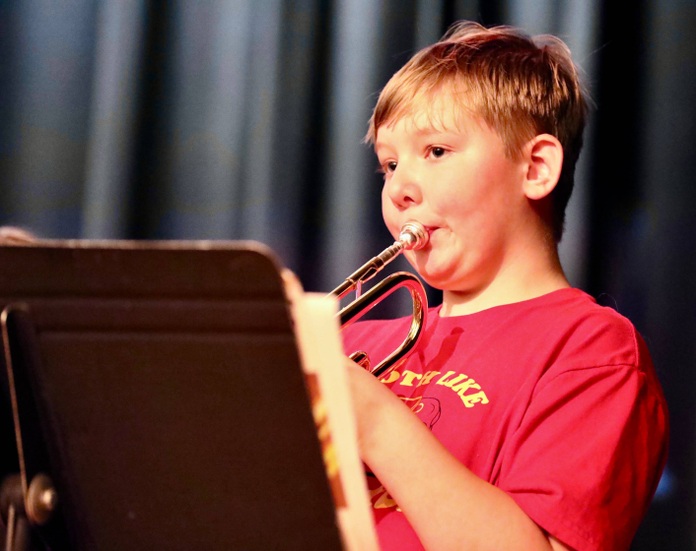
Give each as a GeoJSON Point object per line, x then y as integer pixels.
{"type": "Point", "coordinates": [413, 235]}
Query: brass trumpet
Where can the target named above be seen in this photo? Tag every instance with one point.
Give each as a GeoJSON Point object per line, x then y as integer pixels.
{"type": "Point", "coordinates": [412, 236]}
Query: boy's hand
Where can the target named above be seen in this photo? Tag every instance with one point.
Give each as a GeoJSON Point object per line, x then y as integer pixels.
{"type": "Point", "coordinates": [371, 402]}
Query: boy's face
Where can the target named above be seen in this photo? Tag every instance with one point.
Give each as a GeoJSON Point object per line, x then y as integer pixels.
{"type": "Point", "coordinates": [450, 173]}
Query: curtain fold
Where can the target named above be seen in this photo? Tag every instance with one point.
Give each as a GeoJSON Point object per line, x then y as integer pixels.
{"type": "Point", "coordinates": [46, 87]}
{"type": "Point", "coordinates": [114, 108]}
{"type": "Point", "coordinates": [349, 181]}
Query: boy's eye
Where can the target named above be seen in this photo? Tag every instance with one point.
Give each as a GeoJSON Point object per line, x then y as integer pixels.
{"type": "Point", "coordinates": [389, 166]}
{"type": "Point", "coordinates": [437, 151]}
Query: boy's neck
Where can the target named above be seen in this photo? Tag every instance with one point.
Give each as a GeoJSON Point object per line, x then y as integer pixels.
{"type": "Point", "coordinates": [537, 278]}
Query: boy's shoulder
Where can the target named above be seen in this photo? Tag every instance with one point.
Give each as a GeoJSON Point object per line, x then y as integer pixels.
{"type": "Point", "coordinates": [592, 332]}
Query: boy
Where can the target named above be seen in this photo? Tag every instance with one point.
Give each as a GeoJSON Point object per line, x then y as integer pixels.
{"type": "Point", "coordinates": [539, 422]}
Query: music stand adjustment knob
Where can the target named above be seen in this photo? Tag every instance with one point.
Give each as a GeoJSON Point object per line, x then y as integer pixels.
{"type": "Point", "coordinates": [42, 500]}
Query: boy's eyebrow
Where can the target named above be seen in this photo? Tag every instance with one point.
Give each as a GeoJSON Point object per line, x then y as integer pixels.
{"type": "Point", "coordinates": [421, 132]}
{"type": "Point", "coordinates": [379, 144]}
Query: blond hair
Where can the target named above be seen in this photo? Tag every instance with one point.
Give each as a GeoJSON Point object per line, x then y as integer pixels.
{"type": "Point", "coordinates": [520, 86]}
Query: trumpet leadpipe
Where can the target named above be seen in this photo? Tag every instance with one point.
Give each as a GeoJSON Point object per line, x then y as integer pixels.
{"type": "Point", "coordinates": [413, 236]}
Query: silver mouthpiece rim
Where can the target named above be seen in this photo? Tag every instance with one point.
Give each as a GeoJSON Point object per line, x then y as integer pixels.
{"type": "Point", "coordinates": [413, 235]}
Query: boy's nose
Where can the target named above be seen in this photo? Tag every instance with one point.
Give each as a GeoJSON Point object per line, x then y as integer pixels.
{"type": "Point", "coordinates": [404, 188]}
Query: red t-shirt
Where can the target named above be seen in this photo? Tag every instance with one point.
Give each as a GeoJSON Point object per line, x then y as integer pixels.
{"type": "Point", "coordinates": [554, 400]}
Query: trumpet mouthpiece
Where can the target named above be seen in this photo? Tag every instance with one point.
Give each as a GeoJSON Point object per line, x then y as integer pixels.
{"type": "Point", "coordinates": [413, 235]}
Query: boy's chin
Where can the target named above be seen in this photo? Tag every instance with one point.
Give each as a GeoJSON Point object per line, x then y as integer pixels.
{"type": "Point", "coordinates": [434, 273]}
{"type": "Point", "coordinates": [435, 279]}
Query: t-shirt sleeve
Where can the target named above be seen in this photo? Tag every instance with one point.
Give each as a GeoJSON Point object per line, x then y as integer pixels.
{"type": "Point", "coordinates": [579, 461]}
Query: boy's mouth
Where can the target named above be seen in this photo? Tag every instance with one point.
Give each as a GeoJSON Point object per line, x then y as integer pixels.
{"type": "Point", "coordinates": [430, 230]}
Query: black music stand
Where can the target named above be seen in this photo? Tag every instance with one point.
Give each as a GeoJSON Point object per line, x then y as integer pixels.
{"type": "Point", "coordinates": [158, 391]}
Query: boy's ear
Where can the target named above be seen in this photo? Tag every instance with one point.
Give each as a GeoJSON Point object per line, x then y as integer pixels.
{"type": "Point", "coordinates": [544, 162]}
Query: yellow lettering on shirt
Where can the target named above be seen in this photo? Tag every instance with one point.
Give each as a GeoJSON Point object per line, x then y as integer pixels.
{"type": "Point", "coordinates": [471, 399]}
{"type": "Point", "coordinates": [381, 499]}
{"type": "Point", "coordinates": [447, 381]}
{"type": "Point", "coordinates": [391, 377]}
{"type": "Point", "coordinates": [466, 385]}
{"type": "Point", "coordinates": [427, 377]}
{"type": "Point", "coordinates": [460, 383]}
{"type": "Point", "coordinates": [408, 377]}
